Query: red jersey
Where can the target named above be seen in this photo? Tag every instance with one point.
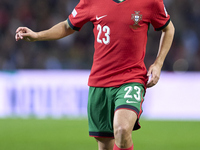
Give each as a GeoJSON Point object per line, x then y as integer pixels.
{"type": "Point", "coordinates": [120, 31]}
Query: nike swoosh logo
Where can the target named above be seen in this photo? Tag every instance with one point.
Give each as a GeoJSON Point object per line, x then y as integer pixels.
{"type": "Point", "coordinates": [129, 102]}
{"type": "Point", "coordinates": [98, 18]}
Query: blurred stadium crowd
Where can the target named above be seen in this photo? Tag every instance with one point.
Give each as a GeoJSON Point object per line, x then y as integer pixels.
{"type": "Point", "coordinates": [75, 51]}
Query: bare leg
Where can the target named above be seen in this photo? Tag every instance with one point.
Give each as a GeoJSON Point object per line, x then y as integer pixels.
{"type": "Point", "coordinates": [105, 143]}
{"type": "Point", "coordinates": [124, 121]}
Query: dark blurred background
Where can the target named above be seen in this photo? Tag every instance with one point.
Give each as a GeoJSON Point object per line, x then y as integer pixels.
{"type": "Point", "coordinates": [75, 51]}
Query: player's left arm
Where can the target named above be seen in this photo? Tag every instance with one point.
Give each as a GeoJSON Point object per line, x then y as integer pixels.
{"type": "Point", "coordinates": [164, 47]}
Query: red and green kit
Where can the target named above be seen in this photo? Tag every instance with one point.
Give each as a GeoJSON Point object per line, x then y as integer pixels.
{"type": "Point", "coordinates": [118, 76]}
{"type": "Point", "coordinates": [120, 31]}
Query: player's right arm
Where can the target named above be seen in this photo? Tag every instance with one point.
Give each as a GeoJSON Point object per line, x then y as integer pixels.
{"type": "Point", "coordinates": [58, 31]}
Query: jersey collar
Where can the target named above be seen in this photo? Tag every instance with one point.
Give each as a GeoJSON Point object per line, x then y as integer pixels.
{"type": "Point", "coordinates": [118, 1]}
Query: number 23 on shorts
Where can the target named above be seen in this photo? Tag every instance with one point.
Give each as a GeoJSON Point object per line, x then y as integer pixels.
{"type": "Point", "coordinates": [133, 94]}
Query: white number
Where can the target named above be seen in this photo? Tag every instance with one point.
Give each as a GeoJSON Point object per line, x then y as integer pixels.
{"type": "Point", "coordinates": [105, 30]}
{"type": "Point", "coordinates": [129, 89]}
{"type": "Point", "coordinates": [99, 34]}
{"type": "Point", "coordinates": [138, 91]}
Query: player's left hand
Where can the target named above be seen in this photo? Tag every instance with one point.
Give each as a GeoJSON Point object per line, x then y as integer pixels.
{"type": "Point", "coordinates": [153, 74]}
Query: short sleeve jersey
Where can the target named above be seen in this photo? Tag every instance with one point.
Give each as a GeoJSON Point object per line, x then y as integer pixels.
{"type": "Point", "coordinates": [120, 31]}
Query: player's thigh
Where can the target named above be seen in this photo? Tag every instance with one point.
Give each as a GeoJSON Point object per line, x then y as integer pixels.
{"type": "Point", "coordinates": [105, 143]}
{"type": "Point", "coordinates": [124, 119]}
{"type": "Point", "coordinates": [128, 105]}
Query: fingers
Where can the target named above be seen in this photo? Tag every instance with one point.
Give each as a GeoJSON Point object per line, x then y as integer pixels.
{"type": "Point", "coordinates": [22, 29]}
{"type": "Point", "coordinates": [19, 29]}
{"type": "Point", "coordinates": [18, 36]}
{"type": "Point", "coordinates": [153, 81]}
{"type": "Point", "coordinates": [22, 33]}
{"type": "Point", "coordinates": [154, 76]}
{"type": "Point", "coordinates": [149, 72]}
{"type": "Point", "coordinates": [19, 32]}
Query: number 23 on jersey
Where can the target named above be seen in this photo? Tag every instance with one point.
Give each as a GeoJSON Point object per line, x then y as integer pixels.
{"type": "Point", "coordinates": [103, 30]}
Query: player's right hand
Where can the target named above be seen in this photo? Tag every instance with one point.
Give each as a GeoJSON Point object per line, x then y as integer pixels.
{"type": "Point", "coordinates": [24, 33]}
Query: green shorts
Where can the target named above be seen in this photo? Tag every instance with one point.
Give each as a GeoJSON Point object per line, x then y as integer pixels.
{"type": "Point", "coordinates": [103, 102]}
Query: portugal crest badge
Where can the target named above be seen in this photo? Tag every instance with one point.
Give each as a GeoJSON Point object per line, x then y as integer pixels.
{"type": "Point", "coordinates": [137, 17]}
